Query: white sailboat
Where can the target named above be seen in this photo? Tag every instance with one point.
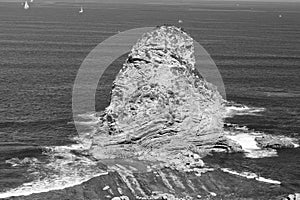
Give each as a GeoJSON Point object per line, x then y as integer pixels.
{"type": "Point", "coordinates": [26, 6]}
{"type": "Point", "coordinates": [81, 10]}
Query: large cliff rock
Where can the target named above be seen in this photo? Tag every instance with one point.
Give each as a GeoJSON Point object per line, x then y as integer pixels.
{"type": "Point", "coordinates": [160, 105]}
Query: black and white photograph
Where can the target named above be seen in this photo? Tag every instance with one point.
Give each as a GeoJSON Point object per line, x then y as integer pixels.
{"type": "Point", "coordinates": [150, 99]}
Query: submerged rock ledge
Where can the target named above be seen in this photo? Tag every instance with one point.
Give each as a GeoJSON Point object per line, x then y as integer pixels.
{"type": "Point", "coordinates": [161, 108]}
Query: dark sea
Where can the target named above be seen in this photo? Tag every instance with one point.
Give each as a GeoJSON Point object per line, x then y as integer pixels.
{"type": "Point", "coordinates": [256, 47]}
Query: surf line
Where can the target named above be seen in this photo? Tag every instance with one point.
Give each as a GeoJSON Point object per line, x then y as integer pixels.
{"type": "Point", "coordinates": [250, 175]}
{"type": "Point", "coordinates": [26, 190]}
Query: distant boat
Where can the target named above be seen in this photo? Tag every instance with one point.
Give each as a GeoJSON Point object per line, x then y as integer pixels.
{"type": "Point", "coordinates": [180, 21]}
{"type": "Point", "coordinates": [81, 10]}
{"type": "Point", "coordinates": [279, 16]}
{"type": "Point", "coordinates": [26, 6]}
{"type": "Point", "coordinates": [31, 1]}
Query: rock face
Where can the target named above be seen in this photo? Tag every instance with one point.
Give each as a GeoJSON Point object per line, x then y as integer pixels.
{"type": "Point", "coordinates": [295, 196]}
{"type": "Point", "coordinates": [160, 105]}
{"type": "Point", "coordinates": [268, 141]}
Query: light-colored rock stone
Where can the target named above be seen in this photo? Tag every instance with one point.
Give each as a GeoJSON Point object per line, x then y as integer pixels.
{"type": "Point", "coordinates": [124, 197]}
{"type": "Point", "coordinates": [161, 108]}
{"type": "Point", "coordinates": [275, 142]}
{"type": "Point", "coordinates": [116, 198]}
{"type": "Point", "coordinates": [213, 194]}
{"type": "Point", "coordinates": [106, 188]}
{"type": "Point", "coordinates": [291, 196]}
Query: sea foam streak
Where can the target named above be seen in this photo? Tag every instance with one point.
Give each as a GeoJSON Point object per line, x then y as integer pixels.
{"type": "Point", "coordinates": [47, 185]}
{"type": "Point", "coordinates": [233, 109]}
{"type": "Point", "coordinates": [250, 175]}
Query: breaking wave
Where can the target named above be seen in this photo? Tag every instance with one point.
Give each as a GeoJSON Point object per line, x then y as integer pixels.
{"type": "Point", "coordinates": [233, 109]}
{"type": "Point", "coordinates": [245, 137]}
{"type": "Point", "coordinates": [65, 167]}
{"type": "Point", "coordinates": [250, 175]}
{"type": "Point", "coordinates": [242, 135]}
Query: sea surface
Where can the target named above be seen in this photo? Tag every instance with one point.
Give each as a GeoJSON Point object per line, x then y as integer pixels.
{"type": "Point", "coordinates": [256, 47]}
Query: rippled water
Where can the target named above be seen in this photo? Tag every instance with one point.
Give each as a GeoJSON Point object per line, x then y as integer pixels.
{"type": "Point", "coordinates": [42, 48]}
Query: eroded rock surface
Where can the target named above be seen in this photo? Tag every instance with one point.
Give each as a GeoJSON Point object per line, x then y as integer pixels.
{"type": "Point", "coordinates": [268, 141]}
{"type": "Point", "coordinates": [160, 106]}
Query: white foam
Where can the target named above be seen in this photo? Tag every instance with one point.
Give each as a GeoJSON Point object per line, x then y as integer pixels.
{"type": "Point", "coordinates": [63, 170]}
{"type": "Point", "coordinates": [83, 144]}
{"type": "Point", "coordinates": [87, 123]}
{"type": "Point", "coordinates": [233, 109]}
{"type": "Point", "coordinates": [92, 116]}
{"type": "Point", "coordinates": [47, 185]}
{"type": "Point", "coordinates": [247, 141]}
{"type": "Point", "coordinates": [267, 180]}
{"type": "Point", "coordinates": [249, 145]}
{"type": "Point", "coordinates": [243, 128]}
{"type": "Point", "coordinates": [250, 175]}
{"type": "Point", "coordinates": [92, 119]}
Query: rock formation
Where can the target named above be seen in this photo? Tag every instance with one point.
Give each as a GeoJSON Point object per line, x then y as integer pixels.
{"type": "Point", "coordinates": [295, 196]}
{"type": "Point", "coordinates": [275, 142]}
{"type": "Point", "coordinates": [161, 108]}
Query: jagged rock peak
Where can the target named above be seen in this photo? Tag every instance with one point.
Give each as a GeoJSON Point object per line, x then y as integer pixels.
{"type": "Point", "coordinates": [166, 44]}
{"type": "Point", "coordinates": [160, 107]}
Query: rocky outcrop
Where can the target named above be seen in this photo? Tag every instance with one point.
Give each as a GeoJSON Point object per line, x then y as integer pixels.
{"type": "Point", "coordinates": [275, 142]}
{"type": "Point", "coordinates": [160, 105]}
{"type": "Point", "coordinates": [295, 196]}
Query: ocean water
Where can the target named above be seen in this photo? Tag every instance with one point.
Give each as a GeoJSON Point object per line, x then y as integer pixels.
{"type": "Point", "coordinates": [41, 49]}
